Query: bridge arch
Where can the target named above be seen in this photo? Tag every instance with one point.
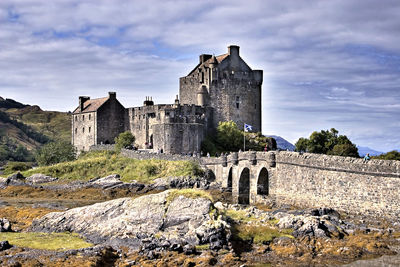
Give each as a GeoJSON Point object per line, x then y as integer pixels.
{"type": "Point", "coordinates": [230, 179]}
{"type": "Point", "coordinates": [244, 186]}
{"type": "Point", "coordinates": [263, 182]}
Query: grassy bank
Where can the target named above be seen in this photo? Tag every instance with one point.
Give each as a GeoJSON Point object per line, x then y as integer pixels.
{"type": "Point", "coordinates": [103, 163]}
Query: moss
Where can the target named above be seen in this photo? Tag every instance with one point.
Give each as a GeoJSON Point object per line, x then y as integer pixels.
{"type": "Point", "coordinates": [53, 241]}
{"type": "Point", "coordinates": [238, 215]}
{"type": "Point", "coordinates": [103, 163]}
{"type": "Point", "coordinates": [203, 247]}
{"type": "Point", "coordinates": [188, 193]}
{"type": "Point", "coordinates": [259, 234]}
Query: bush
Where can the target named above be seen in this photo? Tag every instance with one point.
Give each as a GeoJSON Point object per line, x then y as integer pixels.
{"type": "Point", "coordinates": [124, 140]}
{"type": "Point", "coordinates": [392, 155]}
{"type": "Point", "coordinates": [12, 167]}
{"type": "Point", "coordinates": [55, 152]}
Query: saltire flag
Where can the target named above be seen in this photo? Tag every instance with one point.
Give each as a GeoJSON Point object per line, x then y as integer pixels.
{"type": "Point", "coordinates": [248, 128]}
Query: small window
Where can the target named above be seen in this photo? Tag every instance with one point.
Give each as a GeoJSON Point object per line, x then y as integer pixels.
{"type": "Point", "coordinates": [89, 119]}
{"type": "Point", "coordinates": [255, 106]}
{"type": "Point", "coordinates": [202, 77]}
{"type": "Point", "coordinates": [237, 105]}
{"type": "Point", "coordinates": [76, 130]}
{"type": "Point", "coordinates": [237, 101]}
{"type": "Point", "coordinates": [83, 129]}
{"type": "Point", "coordinates": [89, 127]}
{"type": "Point", "coordinates": [83, 117]}
{"type": "Point", "coordinates": [76, 118]}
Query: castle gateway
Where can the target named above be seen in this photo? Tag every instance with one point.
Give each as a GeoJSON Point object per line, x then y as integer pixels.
{"type": "Point", "coordinates": [219, 88]}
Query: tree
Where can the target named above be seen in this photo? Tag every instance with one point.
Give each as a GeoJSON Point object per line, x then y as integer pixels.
{"type": "Point", "coordinates": [327, 142]}
{"type": "Point", "coordinates": [124, 140]}
{"type": "Point", "coordinates": [55, 152]}
{"type": "Point", "coordinates": [392, 155]}
{"type": "Point", "coordinates": [229, 137]}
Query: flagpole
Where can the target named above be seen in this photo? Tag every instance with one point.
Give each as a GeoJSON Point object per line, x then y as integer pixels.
{"type": "Point", "coordinates": [244, 137]}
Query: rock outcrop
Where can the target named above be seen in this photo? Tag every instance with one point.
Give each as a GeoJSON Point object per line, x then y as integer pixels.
{"type": "Point", "coordinates": [39, 178]}
{"type": "Point", "coordinates": [157, 221]}
{"type": "Point", "coordinates": [5, 225]}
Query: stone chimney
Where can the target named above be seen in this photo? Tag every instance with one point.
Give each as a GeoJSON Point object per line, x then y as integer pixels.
{"type": "Point", "coordinates": [112, 95]}
{"type": "Point", "coordinates": [204, 58]}
{"type": "Point", "coordinates": [233, 50]}
{"type": "Point", "coordinates": [176, 100]}
{"type": "Point", "coordinates": [82, 100]}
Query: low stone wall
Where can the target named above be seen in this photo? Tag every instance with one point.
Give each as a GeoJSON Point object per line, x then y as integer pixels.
{"type": "Point", "coordinates": [347, 184]}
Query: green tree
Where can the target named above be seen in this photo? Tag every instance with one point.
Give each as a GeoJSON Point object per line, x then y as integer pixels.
{"type": "Point", "coordinates": [392, 155]}
{"type": "Point", "coordinates": [124, 140]}
{"type": "Point", "coordinates": [327, 142]}
{"type": "Point", "coordinates": [229, 137]}
{"type": "Point", "coordinates": [22, 154]}
{"type": "Point", "coordinates": [55, 152]}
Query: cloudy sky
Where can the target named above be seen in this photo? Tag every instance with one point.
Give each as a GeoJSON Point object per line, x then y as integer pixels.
{"type": "Point", "coordinates": [326, 63]}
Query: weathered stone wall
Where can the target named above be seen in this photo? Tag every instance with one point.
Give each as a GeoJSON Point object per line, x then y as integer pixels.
{"type": "Point", "coordinates": [110, 121]}
{"type": "Point", "coordinates": [233, 89]}
{"type": "Point", "coordinates": [84, 130]}
{"type": "Point", "coordinates": [343, 183]}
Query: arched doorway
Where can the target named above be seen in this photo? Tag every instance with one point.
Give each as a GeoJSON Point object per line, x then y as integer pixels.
{"type": "Point", "coordinates": [244, 187]}
{"type": "Point", "coordinates": [263, 183]}
{"type": "Point", "coordinates": [229, 184]}
{"type": "Point", "coordinates": [210, 176]}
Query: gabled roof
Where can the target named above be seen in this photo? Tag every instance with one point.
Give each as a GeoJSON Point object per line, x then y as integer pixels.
{"type": "Point", "coordinates": [91, 105]}
{"type": "Point", "coordinates": [219, 58]}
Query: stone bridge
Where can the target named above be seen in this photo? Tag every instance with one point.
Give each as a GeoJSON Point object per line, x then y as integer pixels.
{"type": "Point", "coordinates": [247, 174]}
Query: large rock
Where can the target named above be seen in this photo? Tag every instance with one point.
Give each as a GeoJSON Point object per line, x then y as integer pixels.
{"type": "Point", "coordinates": [4, 245]}
{"type": "Point", "coordinates": [181, 182]}
{"type": "Point", "coordinates": [39, 178]}
{"type": "Point", "coordinates": [5, 225]}
{"type": "Point", "coordinates": [106, 182]}
{"type": "Point", "coordinates": [150, 221]}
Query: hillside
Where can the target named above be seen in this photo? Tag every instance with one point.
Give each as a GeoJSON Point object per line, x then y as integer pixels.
{"type": "Point", "coordinates": [283, 143]}
{"type": "Point", "coordinates": [30, 126]}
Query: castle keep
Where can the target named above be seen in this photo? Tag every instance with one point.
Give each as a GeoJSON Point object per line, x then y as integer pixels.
{"type": "Point", "coordinates": [219, 88]}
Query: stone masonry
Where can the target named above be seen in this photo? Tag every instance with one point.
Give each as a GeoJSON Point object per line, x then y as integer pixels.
{"type": "Point", "coordinates": [219, 88]}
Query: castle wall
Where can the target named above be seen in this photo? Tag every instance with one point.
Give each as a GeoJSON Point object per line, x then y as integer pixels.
{"type": "Point", "coordinates": [110, 121]}
{"type": "Point", "coordinates": [343, 183]}
{"type": "Point", "coordinates": [84, 130]}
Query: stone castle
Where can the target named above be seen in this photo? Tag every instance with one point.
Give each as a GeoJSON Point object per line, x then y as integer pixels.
{"type": "Point", "coordinates": [219, 88]}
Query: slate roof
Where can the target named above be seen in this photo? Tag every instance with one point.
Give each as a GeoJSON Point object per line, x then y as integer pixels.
{"type": "Point", "coordinates": [91, 105]}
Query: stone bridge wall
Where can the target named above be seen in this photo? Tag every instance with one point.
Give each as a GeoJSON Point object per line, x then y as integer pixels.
{"type": "Point", "coordinates": [343, 183]}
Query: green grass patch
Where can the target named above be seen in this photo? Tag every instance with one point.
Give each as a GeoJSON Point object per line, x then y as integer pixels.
{"type": "Point", "coordinates": [259, 234]}
{"type": "Point", "coordinates": [188, 193]}
{"type": "Point", "coordinates": [203, 247]}
{"type": "Point", "coordinates": [103, 163]}
{"type": "Point", "coordinates": [12, 167]}
{"type": "Point", "coordinates": [238, 215]}
{"type": "Point", "coordinates": [52, 241]}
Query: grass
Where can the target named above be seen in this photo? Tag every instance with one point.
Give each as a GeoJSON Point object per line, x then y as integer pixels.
{"type": "Point", "coordinates": [259, 234]}
{"type": "Point", "coordinates": [238, 215]}
{"type": "Point", "coordinates": [103, 163]}
{"type": "Point", "coordinates": [203, 247]}
{"type": "Point", "coordinates": [52, 241]}
{"type": "Point", "coordinates": [188, 193]}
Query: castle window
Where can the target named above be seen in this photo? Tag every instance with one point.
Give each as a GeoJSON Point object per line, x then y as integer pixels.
{"type": "Point", "coordinates": [237, 101]}
{"type": "Point", "coordinates": [76, 130]}
{"type": "Point", "coordinates": [89, 128]}
{"type": "Point", "coordinates": [83, 129]}
{"type": "Point", "coordinates": [202, 77]}
{"type": "Point", "coordinates": [83, 117]}
{"type": "Point", "coordinates": [76, 118]}
{"type": "Point", "coordinates": [255, 106]}
{"type": "Point", "coordinates": [89, 119]}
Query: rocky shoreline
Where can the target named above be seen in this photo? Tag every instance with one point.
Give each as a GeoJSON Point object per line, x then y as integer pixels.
{"type": "Point", "coordinates": [157, 225]}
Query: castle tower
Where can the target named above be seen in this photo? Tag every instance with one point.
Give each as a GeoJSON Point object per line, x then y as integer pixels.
{"type": "Point", "coordinates": [233, 88]}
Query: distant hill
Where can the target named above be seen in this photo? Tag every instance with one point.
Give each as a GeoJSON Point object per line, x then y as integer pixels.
{"type": "Point", "coordinates": [30, 126]}
{"type": "Point", "coordinates": [362, 151]}
{"type": "Point", "coordinates": [283, 143]}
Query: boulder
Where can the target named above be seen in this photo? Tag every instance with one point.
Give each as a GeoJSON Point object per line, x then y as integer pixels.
{"type": "Point", "coordinates": [16, 179]}
{"type": "Point", "coordinates": [39, 178]}
{"type": "Point", "coordinates": [106, 182]}
{"type": "Point", "coordinates": [5, 225]}
{"type": "Point", "coordinates": [149, 222]}
{"type": "Point", "coordinates": [181, 182]}
{"type": "Point", "coordinates": [4, 245]}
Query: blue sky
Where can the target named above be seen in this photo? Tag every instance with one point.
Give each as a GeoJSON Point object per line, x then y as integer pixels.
{"type": "Point", "coordinates": [326, 63]}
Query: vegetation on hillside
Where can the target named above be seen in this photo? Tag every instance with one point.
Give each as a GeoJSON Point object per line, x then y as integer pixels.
{"type": "Point", "coordinates": [103, 163]}
{"type": "Point", "coordinates": [229, 137]}
{"type": "Point", "coordinates": [55, 152]}
{"type": "Point", "coordinates": [327, 142]}
{"type": "Point", "coordinates": [392, 155]}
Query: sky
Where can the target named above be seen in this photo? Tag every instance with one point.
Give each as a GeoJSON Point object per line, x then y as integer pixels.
{"type": "Point", "coordinates": [327, 64]}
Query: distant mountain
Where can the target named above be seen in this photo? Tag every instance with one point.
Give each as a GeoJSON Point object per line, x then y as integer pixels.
{"type": "Point", "coordinates": [283, 143]}
{"type": "Point", "coordinates": [362, 151]}
{"type": "Point", "coordinates": [30, 126]}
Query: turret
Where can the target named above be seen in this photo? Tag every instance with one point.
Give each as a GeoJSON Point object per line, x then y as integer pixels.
{"type": "Point", "coordinates": [202, 95]}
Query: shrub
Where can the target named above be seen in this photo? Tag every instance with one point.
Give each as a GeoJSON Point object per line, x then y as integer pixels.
{"type": "Point", "coordinates": [55, 152]}
{"type": "Point", "coordinates": [124, 140]}
{"type": "Point", "coordinates": [12, 167]}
